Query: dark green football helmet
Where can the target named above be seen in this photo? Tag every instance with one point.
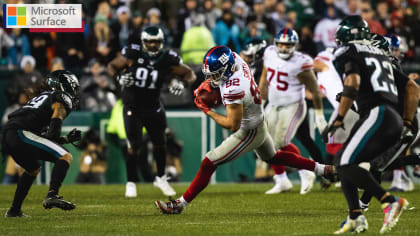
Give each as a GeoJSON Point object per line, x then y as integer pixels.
{"type": "Point", "coordinates": [352, 28]}
{"type": "Point", "coordinates": [152, 40]}
{"type": "Point", "coordinates": [66, 82]}
{"type": "Point", "coordinates": [380, 42]}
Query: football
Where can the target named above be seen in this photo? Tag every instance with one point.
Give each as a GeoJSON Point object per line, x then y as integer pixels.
{"type": "Point", "coordinates": [211, 99]}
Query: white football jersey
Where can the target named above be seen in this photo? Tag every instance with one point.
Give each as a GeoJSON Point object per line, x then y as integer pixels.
{"type": "Point", "coordinates": [325, 32]}
{"type": "Point", "coordinates": [241, 88]}
{"type": "Point", "coordinates": [284, 87]}
{"type": "Point", "coordinates": [329, 81]}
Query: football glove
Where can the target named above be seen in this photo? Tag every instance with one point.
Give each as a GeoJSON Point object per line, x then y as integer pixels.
{"type": "Point", "coordinates": [205, 85]}
{"type": "Point", "coordinates": [176, 87]}
{"type": "Point", "coordinates": [320, 121]}
{"type": "Point", "coordinates": [407, 134]}
{"type": "Point", "coordinates": [203, 107]}
{"type": "Point", "coordinates": [329, 131]}
{"type": "Point", "coordinates": [125, 79]}
{"type": "Point", "coordinates": [73, 136]}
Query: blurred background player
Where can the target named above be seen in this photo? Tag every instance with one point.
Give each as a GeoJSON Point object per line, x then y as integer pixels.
{"type": "Point", "coordinates": [331, 85]}
{"type": "Point", "coordinates": [22, 139]}
{"type": "Point", "coordinates": [231, 75]}
{"type": "Point", "coordinates": [285, 75]}
{"type": "Point", "coordinates": [141, 71]}
{"type": "Point", "coordinates": [401, 182]}
{"type": "Point", "coordinates": [92, 160]}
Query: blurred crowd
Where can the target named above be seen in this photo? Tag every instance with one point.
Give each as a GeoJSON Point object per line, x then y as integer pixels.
{"type": "Point", "coordinates": [190, 27]}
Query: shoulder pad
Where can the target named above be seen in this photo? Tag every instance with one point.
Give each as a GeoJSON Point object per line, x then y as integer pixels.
{"type": "Point", "coordinates": [130, 50]}
{"type": "Point", "coordinates": [341, 50]}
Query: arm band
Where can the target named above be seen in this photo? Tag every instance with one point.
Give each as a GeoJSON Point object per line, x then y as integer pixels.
{"type": "Point", "coordinates": [350, 92]}
{"type": "Point", "coordinates": [54, 130]}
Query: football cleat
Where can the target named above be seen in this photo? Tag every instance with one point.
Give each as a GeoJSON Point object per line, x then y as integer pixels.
{"type": "Point", "coordinates": [364, 206]}
{"type": "Point", "coordinates": [307, 179]}
{"type": "Point", "coordinates": [401, 182]}
{"type": "Point", "coordinates": [58, 202]}
{"type": "Point", "coordinates": [358, 225]}
{"type": "Point", "coordinates": [11, 214]}
{"type": "Point", "coordinates": [130, 189]}
{"type": "Point", "coordinates": [282, 184]}
{"type": "Point", "coordinates": [162, 183]}
{"type": "Point", "coordinates": [392, 213]}
{"type": "Point", "coordinates": [172, 207]}
{"type": "Point", "coordinates": [416, 171]}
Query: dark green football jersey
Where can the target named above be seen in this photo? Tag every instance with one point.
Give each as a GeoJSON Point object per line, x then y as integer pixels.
{"type": "Point", "coordinates": [149, 74]}
{"type": "Point", "coordinates": [377, 83]}
{"type": "Point", "coordinates": [35, 116]}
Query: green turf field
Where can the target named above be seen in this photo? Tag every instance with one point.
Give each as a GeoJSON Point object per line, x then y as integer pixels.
{"type": "Point", "coordinates": [222, 209]}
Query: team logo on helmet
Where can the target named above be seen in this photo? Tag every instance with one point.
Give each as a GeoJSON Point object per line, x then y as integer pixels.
{"type": "Point", "coordinates": [223, 59]}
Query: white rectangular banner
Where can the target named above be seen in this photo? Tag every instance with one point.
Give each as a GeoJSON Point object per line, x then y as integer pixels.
{"type": "Point", "coordinates": [59, 16]}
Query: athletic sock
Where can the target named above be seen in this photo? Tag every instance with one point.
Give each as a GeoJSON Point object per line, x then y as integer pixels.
{"type": "Point", "coordinates": [22, 189]}
{"type": "Point", "coordinates": [131, 167]}
{"type": "Point", "coordinates": [361, 178]}
{"type": "Point", "coordinates": [58, 174]}
{"type": "Point", "coordinates": [280, 169]}
{"type": "Point", "coordinates": [159, 153]}
{"type": "Point", "coordinates": [366, 197]}
{"type": "Point", "coordinates": [388, 199]}
{"type": "Point", "coordinates": [319, 169]}
{"type": "Point", "coordinates": [351, 194]}
{"type": "Point", "coordinates": [292, 160]}
{"type": "Point", "coordinates": [182, 201]}
{"type": "Point", "coordinates": [201, 180]}
{"type": "Point", "coordinates": [354, 214]}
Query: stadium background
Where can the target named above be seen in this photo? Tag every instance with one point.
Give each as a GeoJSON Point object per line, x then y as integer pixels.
{"type": "Point", "coordinates": [184, 29]}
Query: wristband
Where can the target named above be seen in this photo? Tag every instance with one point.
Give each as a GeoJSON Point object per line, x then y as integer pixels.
{"type": "Point", "coordinates": [339, 118]}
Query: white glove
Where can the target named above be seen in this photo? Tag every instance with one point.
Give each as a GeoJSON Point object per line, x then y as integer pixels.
{"type": "Point", "coordinates": [320, 121]}
{"type": "Point", "coordinates": [176, 87]}
{"type": "Point", "coordinates": [126, 79]}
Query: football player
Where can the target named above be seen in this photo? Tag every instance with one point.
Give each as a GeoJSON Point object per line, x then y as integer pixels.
{"type": "Point", "coordinates": [252, 55]}
{"type": "Point", "coordinates": [24, 140]}
{"type": "Point", "coordinates": [142, 70]}
{"type": "Point", "coordinates": [330, 84]}
{"type": "Point", "coordinates": [285, 75]}
{"type": "Point", "coordinates": [241, 97]}
{"type": "Point", "coordinates": [368, 79]}
{"type": "Point", "coordinates": [408, 95]}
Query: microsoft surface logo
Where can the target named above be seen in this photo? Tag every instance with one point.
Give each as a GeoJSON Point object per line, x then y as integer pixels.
{"type": "Point", "coordinates": [16, 16]}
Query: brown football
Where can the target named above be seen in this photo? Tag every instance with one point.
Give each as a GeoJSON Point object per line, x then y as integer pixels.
{"type": "Point", "coordinates": [211, 99]}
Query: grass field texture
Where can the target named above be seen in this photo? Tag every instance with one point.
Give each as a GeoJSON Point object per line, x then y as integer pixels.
{"type": "Point", "coordinates": [222, 209]}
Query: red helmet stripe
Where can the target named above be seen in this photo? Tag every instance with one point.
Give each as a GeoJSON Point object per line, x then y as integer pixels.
{"type": "Point", "coordinates": [285, 31]}
{"type": "Point", "coordinates": [207, 56]}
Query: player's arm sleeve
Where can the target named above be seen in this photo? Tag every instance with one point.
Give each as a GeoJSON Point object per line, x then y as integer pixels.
{"type": "Point", "coordinates": [233, 96]}
{"type": "Point", "coordinates": [61, 103]}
